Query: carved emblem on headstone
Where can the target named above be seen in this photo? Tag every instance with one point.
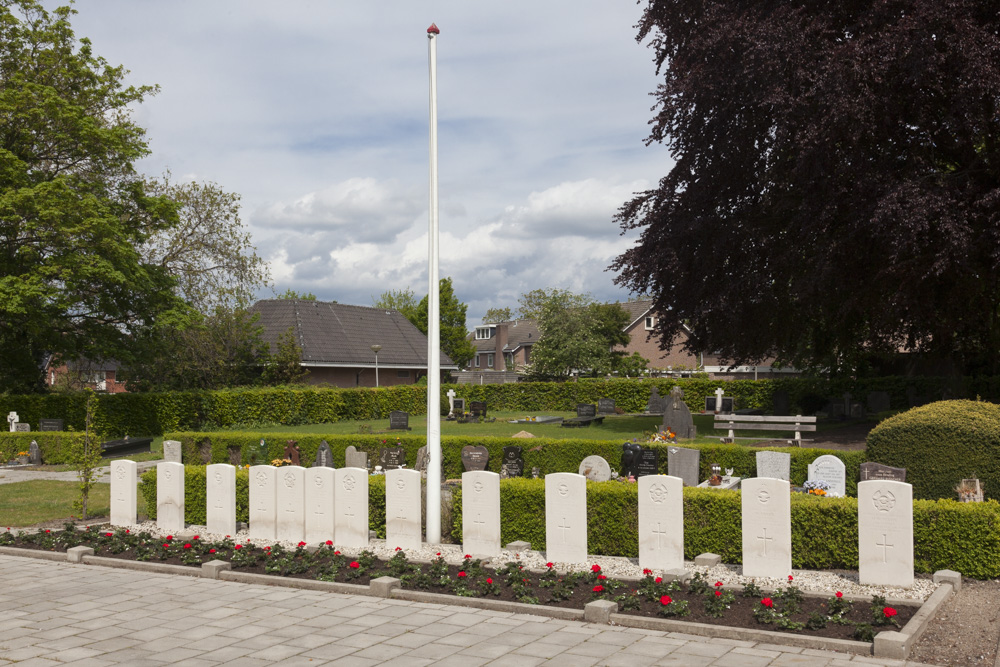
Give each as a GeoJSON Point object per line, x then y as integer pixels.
{"type": "Point", "coordinates": [763, 496]}
{"type": "Point", "coordinates": [261, 478]}
{"type": "Point", "coordinates": [883, 500]}
{"type": "Point", "coordinates": [658, 493]}
{"type": "Point", "coordinates": [289, 479]}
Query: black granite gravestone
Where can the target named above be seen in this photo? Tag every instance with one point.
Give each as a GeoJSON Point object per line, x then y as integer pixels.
{"type": "Point", "coordinates": [399, 420]}
{"type": "Point", "coordinates": [392, 457]}
{"type": "Point", "coordinates": [605, 406]}
{"type": "Point", "coordinates": [50, 424]}
{"type": "Point", "coordinates": [513, 464]}
{"type": "Point", "coordinates": [477, 408]}
{"type": "Point", "coordinates": [870, 471]}
{"type": "Point", "coordinates": [475, 458]}
{"type": "Point", "coordinates": [648, 462]}
{"type": "Point", "coordinates": [586, 410]}
{"type": "Point", "coordinates": [324, 457]}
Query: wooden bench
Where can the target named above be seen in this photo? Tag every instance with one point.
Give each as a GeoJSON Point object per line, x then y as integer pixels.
{"type": "Point", "coordinates": [734, 423]}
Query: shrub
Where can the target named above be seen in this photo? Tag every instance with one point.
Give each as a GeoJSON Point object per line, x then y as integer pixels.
{"type": "Point", "coordinates": [941, 443]}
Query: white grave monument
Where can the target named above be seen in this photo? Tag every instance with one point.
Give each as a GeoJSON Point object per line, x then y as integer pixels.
{"type": "Point", "coordinates": [350, 499]}
{"type": "Point", "coordinates": [123, 475]}
{"type": "Point", "coordinates": [885, 533]}
{"type": "Point", "coordinates": [170, 496]}
{"type": "Point", "coordinates": [220, 498]}
{"type": "Point", "coordinates": [566, 517]}
{"type": "Point", "coordinates": [263, 502]}
{"type": "Point", "coordinates": [172, 451]}
{"type": "Point", "coordinates": [831, 470]}
{"type": "Point", "coordinates": [12, 419]}
{"type": "Point", "coordinates": [481, 513]}
{"type": "Point", "coordinates": [451, 402]}
{"type": "Point", "coordinates": [767, 528]}
{"type": "Point", "coordinates": [291, 500]}
{"type": "Point", "coordinates": [319, 504]}
{"type": "Point", "coordinates": [661, 522]}
{"type": "Point", "coordinates": [718, 398]}
{"type": "Point", "coordinates": [776, 465]}
{"type": "Point", "coordinates": [402, 509]}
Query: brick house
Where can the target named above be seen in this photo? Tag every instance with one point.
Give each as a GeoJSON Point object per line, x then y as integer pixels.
{"type": "Point", "coordinates": [97, 375]}
{"type": "Point", "coordinates": [336, 341]}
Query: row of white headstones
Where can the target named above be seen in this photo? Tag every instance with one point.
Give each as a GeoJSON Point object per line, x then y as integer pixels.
{"type": "Point", "coordinates": [313, 505]}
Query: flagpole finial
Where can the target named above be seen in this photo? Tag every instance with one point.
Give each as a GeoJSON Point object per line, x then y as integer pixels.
{"type": "Point", "coordinates": [433, 30]}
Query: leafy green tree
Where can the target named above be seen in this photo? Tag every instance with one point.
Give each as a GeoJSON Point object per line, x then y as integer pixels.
{"type": "Point", "coordinates": [531, 304]}
{"type": "Point", "coordinates": [284, 366]}
{"type": "Point", "coordinates": [85, 456]}
{"type": "Point", "coordinates": [73, 212]}
{"type": "Point", "coordinates": [302, 296]}
{"type": "Point", "coordinates": [494, 315]}
{"type": "Point", "coordinates": [453, 331]}
{"type": "Point", "coordinates": [401, 300]}
{"type": "Point", "coordinates": [632, 366]}
{"type": "Point", "coordinates": [577, 338]}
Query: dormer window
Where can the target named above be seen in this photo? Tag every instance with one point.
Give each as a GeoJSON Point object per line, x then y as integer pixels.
{"type": "Point", "coordinates": [485, 333]}
{"type": "Point", "coordinates": [650, 322]}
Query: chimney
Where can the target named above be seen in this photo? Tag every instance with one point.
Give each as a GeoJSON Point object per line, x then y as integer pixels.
{"type": "Point", "coordinates": [499, 362]}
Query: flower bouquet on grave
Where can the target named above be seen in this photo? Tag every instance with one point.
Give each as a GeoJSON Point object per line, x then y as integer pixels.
{"type": "Point", "coordinates": [817, 487]}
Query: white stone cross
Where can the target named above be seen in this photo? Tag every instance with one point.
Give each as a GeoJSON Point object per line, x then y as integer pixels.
{"type": "Point", "coordinates": [885, 546]}
{"type": "Point", "coordinates": [765, 539]}
{"type": "Point", "coordinates": [451, 402]}
{"type": "Point", "coordinates": [718, 399]}
{"type": "Point", "coordinates": [660, 534]}
{"type": "Point", "coordinates": [13, 419]}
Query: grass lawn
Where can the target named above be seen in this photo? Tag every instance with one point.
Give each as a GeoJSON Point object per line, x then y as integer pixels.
{"type": "Point", "coordinates": [28, 503]}
{"type": "Point", "coordinates": [155, 454]}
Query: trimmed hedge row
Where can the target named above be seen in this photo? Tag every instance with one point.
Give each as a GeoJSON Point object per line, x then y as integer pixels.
{"type": "Point", "coordinates": [947, 534]}
{"type": "Point", "coordinates": [55, 445]}
{"type": "Point", "coordinates": [549, 455]}
{"type": "Point", "coordinates": [154, 414]}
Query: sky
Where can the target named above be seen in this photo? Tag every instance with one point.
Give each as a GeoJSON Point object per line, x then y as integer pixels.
{"type": "Point", "coordinates": [316, 114]}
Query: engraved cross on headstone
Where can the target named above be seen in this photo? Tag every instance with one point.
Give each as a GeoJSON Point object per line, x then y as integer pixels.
{"type": "Point", "coordinates": [563, 527]}
{"type": "Point", "coordinates": [480, 522]}
{"type": "Point", "coordinates": [884, 546]}
{"type": "Point", "coordinates": [12, 418]}
{"type": "Point", "coordinates": [660, 534]}
{"type": "Point", "coordinates": [765, 539]}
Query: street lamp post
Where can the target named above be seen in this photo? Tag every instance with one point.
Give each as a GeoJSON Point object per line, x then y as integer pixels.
{"type": "Point", "coordinates": [375, 349]}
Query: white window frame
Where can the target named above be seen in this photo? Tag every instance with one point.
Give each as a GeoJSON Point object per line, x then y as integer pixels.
{"type": "Point", "coordinates": [490, 358]}
{"type": "Point", "coordinates": [477, 361]}
{"type": "Point", "coordinates": [650, 322]}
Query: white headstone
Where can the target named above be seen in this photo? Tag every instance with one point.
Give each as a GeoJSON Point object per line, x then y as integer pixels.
{"type": "Point", "coordinates": [319, 504]}
{"type": "Point", "coordinates": [718, 399]}
{"type": "Point", "coordinates": [885, 533]}
{"type": "Point", "coordinates": [172, 451]}
{"type": "Point", "coordinates": [351, 505]}
{"type": "Point", "coordinates": [595, 468]}
{"type": "Point", "coordinates": [170, 496]}
{"type": "Point", "coordinates": [220, 498]}
{"type": "Point", "coordinates": [263, 513]}
{"type": "Point", "coordinates": [123, 493]}
{"type": "Point", "coordinates": [831, 470]}
{"type": "Point", "coordinates": [566, 518]}
{"type": "Point", "coordinates": [661, 522]}
{"type": "Point", "coordinates": [481, 513]}
{"type": "Point", "coordinates": [776, 465]}
{"type": "Point", "coordinates": [451, 401]}
{"type": "Point", "coordinates": [767, 528]}
{"type": "Point", "coordinates": [12, 419]}
{"type": "Point", "coordinates": [291, 500]}
{"type": "Point", "coordinates": [402, 509]}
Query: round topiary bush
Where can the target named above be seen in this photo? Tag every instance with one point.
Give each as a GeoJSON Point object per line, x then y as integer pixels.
{"type": "Point", "coordinates": [940, 444]}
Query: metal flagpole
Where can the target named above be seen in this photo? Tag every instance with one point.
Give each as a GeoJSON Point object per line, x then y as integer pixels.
{"type": "Point", "coordinates": [433, 318]}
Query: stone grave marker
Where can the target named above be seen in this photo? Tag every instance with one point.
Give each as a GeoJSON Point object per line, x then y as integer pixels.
{"type": "Point", "coordinates": [459, 405]}
{"type": "Point", "coordinates": [566, 518]}
{"type": "Point", "coordinates": [172, 451]}
{"type": "Point", "coordinates": [586, 410]}
{"type": "Point", "coordinates": [391, 458]}
{"type": "Point", "coordinates": [477, 408]}
{"type": "Point", "coordinates": [355, 459]}
{"type": "Point", "coordinates": [605, 406]}
{"type": "Point", "coordinates": [451, 402]}
{"type": "Point", "coordinates": [260, 453]}
{"type": "Point", "coordinates": [661, 522]}
{"type": "Point", "coordinates": [657, 404]}
{"type": "Point", "coordinates": [423, 458]}
{"type": "Point", "coordinates": [34, 454]}
{"type": "Point", "coordinates": [402, 509]}
{"type": "Point", "coordinates": [262, 508]}
{"type": "Point", "coordinates": [481, 513]}
{"type": "Point", "coordinates": [123, 492]}
{"type": "Point", "coordinates": [399, 420]}
{"type": "Point", "coordinates": [291, 499]}
{"type": "Point", "coordinates": [684, 463]}
{"type": "Point", "coordinates": [776, 465]}
{"type": "Point", "coordinates": [12, 419]}
{"type": "Point", "coordinates": [220, 498]}
{"type": "Point", "coordinates": [319, 504]}
{"type": "Point", "coordinates": [712, 401]}
{"type": "Point", "coordinates": [677, 416]}
{"type": "Point", "coordinates": [875, 471]}
{"type": "Point", "coordinates": [512, 464]}
{"type": "Point", "coordinates": [878, 401]}
{"type": "Point", "coordinates": [885, 533]}
{"type": "Point", "coordinates": [50, 424]}
{"type": "Point", "coordinates": [351, 505]}
{"type": "Point", "coordinates": [324, 456]}
{"type": "Point", "coordinates": [828, 468]}
{"type": "Point", "coordinates": [767, 528]}
{"type": "Point", "coordinates": [292, 452]}
{"type": "Point", "coordinates": [170, 496]}
{"type": "Point", "coordinates": [630, 459]}
{"type": "Point", "coordinates": [22, 427]}
{"type": "Point", "coordinates": [595, 468]}
{"type": "Point", "coordinates": [475, 458]}
{"type": "Point", "coordinates": [535, 472]}
{"type": "Point", "coordinates": [782, 403]}
{"type": "Point", "coordinates": [648, 463]}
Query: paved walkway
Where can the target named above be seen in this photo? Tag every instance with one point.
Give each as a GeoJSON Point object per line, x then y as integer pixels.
{"type": "Point", "coordinates": [11, 474]}
{"type": "Point", "coordinates": [54, 613]}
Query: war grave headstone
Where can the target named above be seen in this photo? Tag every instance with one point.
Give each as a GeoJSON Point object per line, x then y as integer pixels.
{"type": "Point", "coordinates": [885, 533]}
{"type": "Point", "coordinates": [402, 509]}
{"type": "Point", "coordinates": [828, 468]}
{"type": "Point", "coordinates": [874, 471]}
{"type": "Point", "coordinates": [481, 513]}
{"type": "Point", "coordinates": [782, 403]}
{"type": "Point", "coordinates": [262, 510]}
{"type": "Point", "coordinates": [630, 459]}
{"type": "Point", "coordinates": [878, 401]}
{"type": "Point", "coordinates": [648, 462]}
{"type": "Point", "coordinates": [566, 517]}
{"type": "Point", "coordinates": [291, 499]}
{"type": "Point", "coordinates": [319, 504]}
{"type": "Point", "coordinates": [324, 456]}
{"type": "Point", "coordinates": [477, 408]}
{"type": "Point", "coordinates": [777, 465]}
{"type": "Point", "coordinates": [399, 420]}
{"type": "Point", "coordinates": [22, 427]}
{"type": "Point", "coordinates": [292, 451]}
{"type": "Point", "coordinates": [391, 458]}
{"type": "Point", "coordinates": [586, 410]}
{"type": "Point", "coordinates": [661, 522]}
{"type": "Point", "coordinates": [350, 500]}
{"type": "Point", "coordinates": [12, 419]}
{"type": "Point", "coordinates": [595, 468]}
{"type": "Point", "coordinates": [475, 458]}
{"type": "Point", "coordinates": [123, 493]}
{"type": "Point", "coordinates": [220, 498]}
{"type": "Point", "coordinates": [170, 496]}
{"type": "Point", "coordinates": [34, 454]}
{"type": "Point", "coordinates": [684, 463]}
{"type": "Point", "coordinates": [354, 458]}
{"type": "Point", "coordinates": [513, 463]}
{"type": "Point", "coordinates": [677, 415]}
{"type": "Point", "coordinates": [656, 404]}
{"type": "Point", "coordinates": [172, 451]}
{"type": "Point", "coordinates": [767, 528]}
{"type": "Point", "coordinates": [50, 424]}
{"type": "Point", "coordinates": [605, 406]}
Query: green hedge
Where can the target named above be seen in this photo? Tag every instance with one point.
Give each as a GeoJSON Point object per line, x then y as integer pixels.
{"type": "Point", "coordinates": [154, 414]}
{"type": "Point", "coordinates": [547, 454]}
{"type": "Point", "coordinates": [947, 534]}
{"type": "Point", "coordinates": [54, 445]}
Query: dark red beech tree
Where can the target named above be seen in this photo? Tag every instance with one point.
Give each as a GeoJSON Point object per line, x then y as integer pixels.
{"type": "Point", "coordinates": [835, 195]}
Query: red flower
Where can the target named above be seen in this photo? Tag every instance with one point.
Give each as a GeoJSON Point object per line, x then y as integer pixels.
{"type": "Point", "coordinates": [601, 577]}
{"type": "Point", "coordinates": [267, 548]}
{"type": "Point", "coordinates": [329, 543]}
{"type": "Point", "coordinates": [336, 553]}
{"type": "Point", "coordinates": [489, 581]}
{"type": "Point", "coordinates": [549, 565]}
{"type": "Point", "coordinates": [211, 551]}
{"type": "Point", "coordinates": [665, 600]}
{"type": "Point", "coordinates": [46, 530]}
{"type": "Point", "coordinates": [461, 575]}
{"type": "Point", "coordinates": [718, 583]}
{"type": "Point", "coordinates": [187, 546]}
{"type": "Point", "coordinates": [467, 556]}
{"type": "Point", "coordinates": [107, 534]}
{"type": "Point", "coordinates": [718, 594]}
{"type": "Point", "coordinates": [889, 612]}
{"type": "Point", "coordinates": [839, 594]}
{"type": "Point", "coordinates": [646, 571]}
{"type": "Point", "coordinates": [238, 546]}
{"type": "Point", "coordinates": [399, 548]}
{"type": "Point", "coordinates": [789, 577]}
{"type": "Point", "coordinates": [439, 553]}
{"type": "Point", "coordinates": [354, 565]}
{"type": "Point", "coordinates": [598, 588]}
{"type": "Point", "coordinates": [127, 531]}
{"type": "Point", "coordinates": [196, 537]}
{"type": "Point", "coordinates": [169, 537]}
{"type": "Point", "coordinates": [302, 544]}
{"type": "Point", "coordinates": [658, 580]}
{"type": "Point", "coordinates": [595, 568]}
{"type": "Point", "coordinates": [166, 546]}
{"type": "Point", "coordinates": [768, 602]}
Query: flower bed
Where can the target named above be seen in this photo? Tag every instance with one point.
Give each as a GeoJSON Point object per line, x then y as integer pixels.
{"type": "Point", "coordinates": [701, 601]}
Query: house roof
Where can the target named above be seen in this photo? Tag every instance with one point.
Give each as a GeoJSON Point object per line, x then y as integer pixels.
{"type": "Point", "coordinates": [636, 310]}
{"type": "Point", "coordinates": [519, 333]}
{"type": "Point", "coordinates": [336, 334]}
